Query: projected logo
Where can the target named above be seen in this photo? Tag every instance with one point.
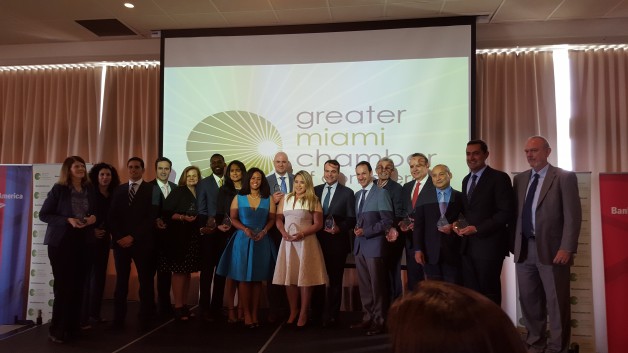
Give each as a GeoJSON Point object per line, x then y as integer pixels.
{"type": "Point", "coordinates": [235, 134]}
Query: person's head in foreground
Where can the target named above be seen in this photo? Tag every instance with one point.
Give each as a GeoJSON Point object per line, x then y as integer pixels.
{"type": "Point", "coordinates": [441, 317]}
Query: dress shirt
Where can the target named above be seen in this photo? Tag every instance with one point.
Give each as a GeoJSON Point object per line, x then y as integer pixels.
{"type": "Point", "coordinates": [479, 174]}
{"type": "Point", "coordinates": [541, 174]}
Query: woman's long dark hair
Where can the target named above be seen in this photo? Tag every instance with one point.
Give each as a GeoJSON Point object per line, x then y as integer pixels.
{"type": "Point", "coordinates": [115, 178]}
{"type": "Point", "coordinates": [264, 189]}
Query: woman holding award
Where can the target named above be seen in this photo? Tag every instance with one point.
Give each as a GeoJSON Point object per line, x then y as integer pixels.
{"type": "Point", "coordinates": [226, 193]}
{"type": "Point", "coordinates": [250, 255]}
{"type": "Point", "coordinates": [69, 210]}
{"type": "Point", "coordinates": [300, 265]}
{"type": "Point", "coordinates": [182, 255]}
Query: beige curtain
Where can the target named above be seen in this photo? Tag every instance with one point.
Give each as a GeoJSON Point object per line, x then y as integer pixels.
{"type": "Point", "coordinates": [599, 90]}
{"type": "Point", "coordinates": [515, 100]}
{"type": "Point", "coordinates": [130, 122]}
{"type": "Point", "coordinates": [47, 114]}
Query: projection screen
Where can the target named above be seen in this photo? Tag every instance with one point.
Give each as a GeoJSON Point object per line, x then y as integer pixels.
{"type": "Point", "coordinates": [348, 92]}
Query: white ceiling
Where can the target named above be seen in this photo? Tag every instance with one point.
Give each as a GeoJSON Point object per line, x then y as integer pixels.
{"type": "Point", "coordinates": [507, 22]}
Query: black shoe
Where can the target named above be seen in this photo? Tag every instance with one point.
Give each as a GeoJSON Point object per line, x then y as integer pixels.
{"type": "Point", "coordinates": [361, 325]}
{"type": "Point", "coordinates": [55, 339]}
{"type": "Point", "coordinates": [375, 330]}
{"type": "Point", "coordinates": [330, 323]}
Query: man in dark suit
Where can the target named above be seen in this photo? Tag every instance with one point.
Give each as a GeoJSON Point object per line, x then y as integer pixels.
{"type": "Point", "coordinates": [395, 244]}
{"type": "Point", "coordinates": [375, 216]}
{"type": "Point", "coordinates": [413, 194]}
{"type": "Point", "coordinates": [162, 187]}
{"type": "Point", "coordinates": [437, 246]}
{"type": "Point", "coordinates": [281, 183]}
{"type": "Point", "coordinates": [338, 207]}
{"type": "Point", "coordinates": [546, 237]}
{"type": "Point", "coordinates": [489, 210]}
{"type": "Point", "coordinates": [132, 230]}
{"type": "Point", "coordinates": [212, 242]}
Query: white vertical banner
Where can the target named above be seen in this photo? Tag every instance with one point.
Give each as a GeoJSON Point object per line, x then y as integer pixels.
{"type": "Point", "coordinates": [582, 318]}
{"type": "Point", "coordinates": [40, 291]}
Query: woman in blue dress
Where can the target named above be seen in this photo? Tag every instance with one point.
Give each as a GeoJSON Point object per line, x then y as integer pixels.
{"type": "Point", "coordinates": [250, 255]}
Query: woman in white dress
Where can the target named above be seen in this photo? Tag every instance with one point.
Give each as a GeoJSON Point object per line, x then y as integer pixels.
{"type": "Point", "coordinates": [300, 265]}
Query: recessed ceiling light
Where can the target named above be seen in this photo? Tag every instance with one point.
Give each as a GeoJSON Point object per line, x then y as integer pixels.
{"type": "Point", "coordinates": [129, 5]}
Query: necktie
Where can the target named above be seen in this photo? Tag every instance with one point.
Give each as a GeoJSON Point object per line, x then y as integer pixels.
{"type": "Point", "coordinates": [526, 216]}
{"type": "Point", "coordinates": [284, 188]}
{"type": "Point", "coordinates": [220, 182]}
{"type": "Point", "coordinates": [165, 187]}
{"type": "Point", "coordinates": [474, 179]}
{"type": "Point", "coordinates": [442, 204]}
{"type": "Point", "coordinates": [362, 201]}
{"type": "Point", "coordinates": [326, 200]}
{"type": "Point", "coordinates": [415, 195]}
{"type": "Point", "coordinates": [131, 193]}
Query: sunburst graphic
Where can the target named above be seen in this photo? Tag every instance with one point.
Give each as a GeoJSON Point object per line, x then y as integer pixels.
{"type": "Point", "coordinates": [240, 135]}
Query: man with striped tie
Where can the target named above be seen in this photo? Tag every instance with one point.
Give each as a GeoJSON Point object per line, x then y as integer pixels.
{"type": "Point", "coordinates": [132, 228]}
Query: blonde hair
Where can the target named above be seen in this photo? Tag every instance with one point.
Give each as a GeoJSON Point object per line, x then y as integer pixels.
{"type": "Point", "coordinates": [310, 199]}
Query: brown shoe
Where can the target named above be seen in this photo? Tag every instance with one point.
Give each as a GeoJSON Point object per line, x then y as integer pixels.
{"type": "Point", "coordinates": [361, 325]}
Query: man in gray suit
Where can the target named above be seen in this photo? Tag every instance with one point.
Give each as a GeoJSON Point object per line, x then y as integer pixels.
{"type": "Point", "coordinates": [546, 237]}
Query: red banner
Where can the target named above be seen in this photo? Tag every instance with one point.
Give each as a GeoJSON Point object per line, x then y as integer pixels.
{"type": "Point", "coordinates": [614, 207]}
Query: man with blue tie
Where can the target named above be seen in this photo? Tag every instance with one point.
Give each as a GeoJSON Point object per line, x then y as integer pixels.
{"type": "Point", "coordinates": [489, 209]}
{"type": "Point", "coordinates": [546, 238]}
{"type": "Point", "coordinates": [280, 183]}
{"type": "Point", "coordinates": [437, 247]}
{"type": "Point", "coordinates": [375, 216]}
{"type": "Point", "coordinates": [339, 214]}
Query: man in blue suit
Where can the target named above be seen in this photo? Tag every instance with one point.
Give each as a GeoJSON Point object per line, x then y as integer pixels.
{"type": "Point", "coordinates": [212, 242]}
{"type": "Point", "coordinates": [375, 216]}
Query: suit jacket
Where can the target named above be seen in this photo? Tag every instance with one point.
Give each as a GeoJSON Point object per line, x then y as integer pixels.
{"type": "Point", "coordinates": [274, 180]}
{"type": "Point", "coordinates": [377, 217]}
{"type": "Point", "coordinates": [57, 208]}
{"type": "Point", "coordinates": [207, 199]}
{"type": "Point", "coordinates": [428, 238]}
{"type": "Point", "coordinates": [136, 219]}
{"type": "Point", "coordinates": [491, 210]}
{"type": "Point", "coordinates": [158, 197]}
{"type": "Point", "coordinates": [395, 191]}
{"type": "Point", "coordinates": [342, 208]}
{"type": "Point", "coordinates": [558, 214]}
{"type": "Point", "coordinates": [406, 202]}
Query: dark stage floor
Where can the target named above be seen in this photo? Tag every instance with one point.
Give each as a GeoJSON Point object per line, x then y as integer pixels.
{"type": "Point", "coordinates": [199, 336]}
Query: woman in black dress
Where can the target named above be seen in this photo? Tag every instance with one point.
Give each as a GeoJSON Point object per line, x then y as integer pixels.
{"type": "Point", "coordinates": [182, 255]}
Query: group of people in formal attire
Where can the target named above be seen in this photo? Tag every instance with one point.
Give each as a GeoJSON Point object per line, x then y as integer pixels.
{"type": "Point", "coordinates": [241, 228]}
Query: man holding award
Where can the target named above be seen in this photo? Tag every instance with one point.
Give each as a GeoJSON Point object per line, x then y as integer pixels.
{"type": "Point", "coordinates": [339, 218]}
{"type": "Point", "coordinates": [489, 210]}
{"type": "Point", "coordinates": [436, 245]}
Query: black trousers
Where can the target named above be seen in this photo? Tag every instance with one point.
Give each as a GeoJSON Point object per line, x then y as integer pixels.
{"type": "Point", "coordinates": [212, 247]}
{"type": "Point", "coordinates": [96, 269]}
{"type": "Point", "coordinates": [144, 259]}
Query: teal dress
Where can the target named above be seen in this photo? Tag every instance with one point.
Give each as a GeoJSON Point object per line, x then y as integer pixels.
{"type": "Point", "coordinates": [244, 259]}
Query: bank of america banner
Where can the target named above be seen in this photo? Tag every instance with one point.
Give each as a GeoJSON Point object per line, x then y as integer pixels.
{"type": "Point", "coordinates": [40, 293]}
{"type": "Point", "coordinates": [614, 211]}
{"type": "Point", "coordinates": [15, 191]}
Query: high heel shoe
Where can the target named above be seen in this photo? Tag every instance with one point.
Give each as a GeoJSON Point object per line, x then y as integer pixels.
{"type": "Point", "coordinates": [232, 316]}
{"type": "Point", "coordinates": [181, 314]}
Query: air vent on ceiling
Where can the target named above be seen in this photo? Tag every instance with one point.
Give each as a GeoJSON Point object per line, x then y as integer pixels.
{"type": "Point", "coordinates": [106, 27]}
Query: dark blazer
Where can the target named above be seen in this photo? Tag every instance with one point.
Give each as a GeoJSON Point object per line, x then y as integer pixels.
{"type": "Point", "coordinates": [207, 198]}
{"type": "Point", "coordinates": [377, 217]}
{"type": "Point", "coordinates": [158, 196]}
{"type": "Point", "coordinates": [558, 214]}
{"type": "Point", "coordinates": [57, 208]}
{"type": "Point", "coordinates": [438, 247]}
{"type": "Point", "coordinates": [342, 208]}
{"type": "Point", "coordinates": [273, 180]}
{"type": "Point", "coordinates": [406, 202]}
{"type": "Point", "coordinates": [491, 209]}
{"type": "Point", "coordinates": [395, 191]}
{"type": "Point", "coordinates": [137, 219]}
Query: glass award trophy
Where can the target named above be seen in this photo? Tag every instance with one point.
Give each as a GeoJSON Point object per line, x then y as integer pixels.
{"type": "Point", "coordinates": [81, 218]}
{"type": "Point", "coordinates": [329, 222]}
{"type": "Point", "coordinates": [226, 221]}
{"type": "Point", "coordinates": [406, 221]}
{"type": "Point", "coordinates": [292, 229]}
{"type": "Point", "coordinates": [211, 223]}
{"type": "Point", "coordinates": [192, 211]}
{"type": "Point", "coordinates": [358, 224]}
{"type": "Point", "coordinates": [461, 222]}
{"type": "Point", "coordinates": [277, 188]}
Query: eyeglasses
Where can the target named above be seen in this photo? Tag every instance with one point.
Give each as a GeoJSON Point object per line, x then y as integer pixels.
{"type": "Point", "coordinates": [390, 169]}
